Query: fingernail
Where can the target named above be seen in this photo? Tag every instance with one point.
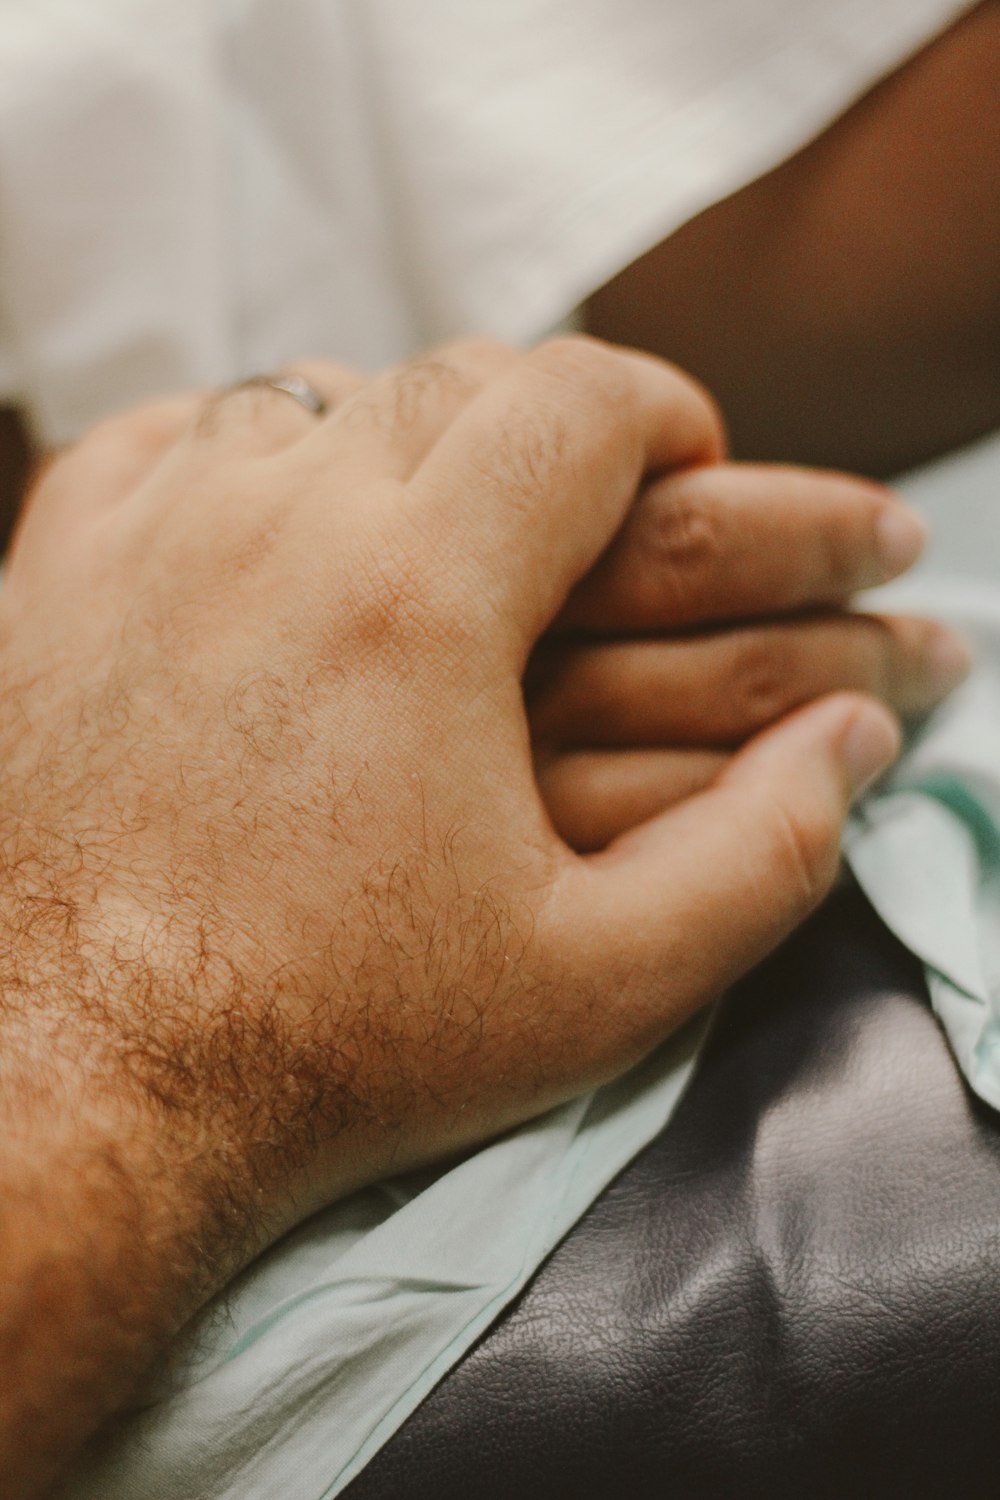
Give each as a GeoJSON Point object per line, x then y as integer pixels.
{"type": "Point", "coordinates": [900, 537]}
{"type": "Point", "coordinates": [870, 745]}
{"type": "Point", "coordinates": [948, 658]}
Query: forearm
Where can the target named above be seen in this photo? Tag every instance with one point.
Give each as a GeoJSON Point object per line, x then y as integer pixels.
{"type": "Point", "coordinates": [117, 1221]}
{"type": "Point", "coordinates": [91, 1288]}
{"type": "Point", "coordinates": [87, 1290]}
{"type": "Point", "coordinates": [845, 309]}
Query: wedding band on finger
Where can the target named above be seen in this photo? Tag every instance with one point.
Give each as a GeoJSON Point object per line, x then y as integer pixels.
{"type": "Point", "coordinates": [308, 397]}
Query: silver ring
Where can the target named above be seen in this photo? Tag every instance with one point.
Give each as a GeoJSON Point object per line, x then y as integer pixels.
{"type": "Point", "coordinates": [293, 385]}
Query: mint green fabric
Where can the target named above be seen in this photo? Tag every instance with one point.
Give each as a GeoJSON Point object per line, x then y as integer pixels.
{"type": "Point", "coordinates": [926, 845]}
{"type": "Point", "coordinates": [926, 848]}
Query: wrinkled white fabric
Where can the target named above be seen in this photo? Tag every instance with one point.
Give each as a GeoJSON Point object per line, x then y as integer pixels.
{"type": "Point", "coordinates": [193, 190]}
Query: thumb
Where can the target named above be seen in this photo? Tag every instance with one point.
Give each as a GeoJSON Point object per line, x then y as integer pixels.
{"type": "Point", "coordinates": [683, 905]}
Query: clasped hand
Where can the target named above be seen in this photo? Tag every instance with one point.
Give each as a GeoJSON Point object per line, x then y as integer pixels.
{"type": "Point", "coordinates": [306, 728]}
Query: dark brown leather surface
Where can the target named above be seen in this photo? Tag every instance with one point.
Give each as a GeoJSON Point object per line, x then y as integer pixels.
{"type": "Point", "coordinates": [794, 1292]}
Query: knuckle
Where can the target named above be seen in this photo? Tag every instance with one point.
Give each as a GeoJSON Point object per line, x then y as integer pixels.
{"type": "Point", "coordinates": [532, 447]}
{"type": "Point", "coordinates": [605, 382]}
{"type": "Point", "coordinates": [682, 538]}
{"type": "Point", "coordinates": [762, 680]}
{"type": "Point", "coordinates": [425, 380]}
{"type": "Point", "coordinates": [399, 400]}
{"type": "Point", "coordinates": [585, 404]}
{"type": "Point", "coordinates": [584, 364]}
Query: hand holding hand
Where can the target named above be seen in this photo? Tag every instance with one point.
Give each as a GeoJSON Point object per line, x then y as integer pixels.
{"type": "Point", "coordinates": [723, 605]}
{"type": "Point", "coordinates": [284, 907]}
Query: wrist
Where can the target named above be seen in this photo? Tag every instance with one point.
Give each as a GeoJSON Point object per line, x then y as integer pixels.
{"type": "Point", "coordinates": [121, 1213]}
{"type": "Point", "coordinates": [98, 1247]}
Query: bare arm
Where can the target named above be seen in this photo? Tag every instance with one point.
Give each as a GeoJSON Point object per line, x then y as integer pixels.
{"type": "Point", "coordinates": [845, 309]}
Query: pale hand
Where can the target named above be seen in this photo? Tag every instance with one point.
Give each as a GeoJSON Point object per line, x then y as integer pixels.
{"type": "Point", "coordinates": [284, 908]}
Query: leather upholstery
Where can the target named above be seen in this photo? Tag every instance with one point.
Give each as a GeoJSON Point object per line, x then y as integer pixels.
{"type": "Point", "coordinates": [794, 1291]}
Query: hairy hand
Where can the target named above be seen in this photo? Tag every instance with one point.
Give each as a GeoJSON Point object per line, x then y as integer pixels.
{"type": "Point", "coordinates": [285, 909]}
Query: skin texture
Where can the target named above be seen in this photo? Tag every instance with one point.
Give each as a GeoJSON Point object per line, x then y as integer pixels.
{"type": "Point", "coordinates": [284, 908]}
{"type": "Point", "coordinates": [845, 309]}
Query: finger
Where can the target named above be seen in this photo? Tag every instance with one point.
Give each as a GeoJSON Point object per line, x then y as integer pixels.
{"type": "Point", "coordinates": [593, 797]}
{"type": "Point", "coordinates": [260, 418]}
{"type": "Point", "coordinates": [736, 540]}
{"type": "Point", "coordinates": [543, 465]}
{"type": "Point", "coordinates": [389, 424]}
{"type": "Point", "coordinates": [97, 473]}
{"type": "Point", "coordinates": [680, 907]}
{"type": "Point", "coordinates": [718, 689]}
